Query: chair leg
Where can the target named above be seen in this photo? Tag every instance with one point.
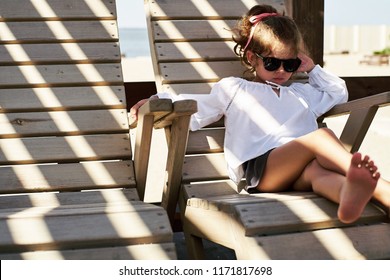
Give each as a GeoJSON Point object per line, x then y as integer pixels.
{"type": "Point", "coordinates": [194, 243]}
{"type": "Point", "coordinates": [194, 246]}
{"type": "Point", "coordinates": [246, 247]}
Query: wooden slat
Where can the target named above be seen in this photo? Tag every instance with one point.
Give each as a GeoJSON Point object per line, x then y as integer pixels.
{"type": "Point", "coordinates": [195, 51]}
{"type": "Point", "coordinates": [63, 123]}
{"type": "Point", "coordinates": [206, 141]}
{"type": "Point", "coordinates": [61, 98]}
{"type": "Point", "coordinates": [211, 189]}
{"type": "Point", "coordinates": [50, 199]}
{"type": "Point", "coordinates": [60, 75]}
{"type": "Point", "coordinates": [59, 53]}
{"type": "Point", "coordinates": [200, 71]}
{"type": "Point", "coordinates": [64, 177]}
{"type": "Point", "coordinates": [204, 167]}
{"type": "Point", "coordinates": [223, 196]}
{"type": "Point", "coordinates": [65, 149]}
{"type": "Point", "coordinates": [54, 31]}
{"type": "Point", "coordinates": [202, 8]}
{"type": "Point", "coordinates": [296, 215]}
{"type": "Point", "coordinates": [206, 30]}
{"type": "Point", "coordinates": [55, 9]}
{"type": "Point", "coordinates": [363, 242]}
{"type": "Point", "coordinates": [81, 209]}
{"type": "Point", "coordinates": [201, 88]}
{"type": "Point", "coordinates": [160, 251]}
{"type": "Point", "coordinates": [47, 228]}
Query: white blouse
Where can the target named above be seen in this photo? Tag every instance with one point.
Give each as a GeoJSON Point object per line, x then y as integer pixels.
{"type": "Point", "coordinates": [257, 119]}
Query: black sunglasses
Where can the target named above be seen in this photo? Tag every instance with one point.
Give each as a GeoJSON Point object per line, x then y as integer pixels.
{"type": "Point", "coordinates": [273, 63]}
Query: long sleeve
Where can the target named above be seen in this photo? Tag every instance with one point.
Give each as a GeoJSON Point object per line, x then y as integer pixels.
{"type": "Point", "coordinates": [211, 107]}
{"type": "Point", "coordinates": [323, 91]}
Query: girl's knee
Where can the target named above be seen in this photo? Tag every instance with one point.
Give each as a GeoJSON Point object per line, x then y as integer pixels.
{"type": "Point", "coordinates": [325, 132]}
{"type": "Point", "coordinates": [321, 135]}
{"type": "Point", "coordinates": [314, 169]}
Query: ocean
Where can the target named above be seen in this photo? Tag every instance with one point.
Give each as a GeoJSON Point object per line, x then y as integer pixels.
{"type": "Point", "coordinates": [134, 42]}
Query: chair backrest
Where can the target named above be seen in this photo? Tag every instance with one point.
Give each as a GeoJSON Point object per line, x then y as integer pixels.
{"type": "Point", "coordinates": [64, 138]}
{"type": "Point", "coordinates": [192, 49]}
{"type": "Point", "coordinates": [63, 119]}
{"type": "Point", "coordinates": [191, 42]}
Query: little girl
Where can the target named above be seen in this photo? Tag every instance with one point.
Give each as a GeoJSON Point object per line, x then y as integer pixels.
{"type": "Point", "coordinates": [272, 138]}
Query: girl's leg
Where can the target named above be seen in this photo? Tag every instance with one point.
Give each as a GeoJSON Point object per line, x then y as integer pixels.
{"type": "Point", "coordinates": [286, 163]}
{"type": "Point", "coordinates": [286, 166]}
{"type": "Point", "coordinates": [361, 181]}
{"type": "Point", "coordinates": [352, 191]}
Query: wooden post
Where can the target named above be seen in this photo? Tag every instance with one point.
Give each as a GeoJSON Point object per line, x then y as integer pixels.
{"type": "Point", "coordinates": [182, 111]}
{"type": "Point", "coordinates": [309, 16]}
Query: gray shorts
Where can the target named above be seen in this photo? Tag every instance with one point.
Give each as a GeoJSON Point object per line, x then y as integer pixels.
{"type": "Point", "coordinates": [253, 171]}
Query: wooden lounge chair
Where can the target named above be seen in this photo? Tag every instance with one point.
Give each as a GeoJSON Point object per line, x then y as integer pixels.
{"type": "Point", "coordinates": [68, 189]}
{"type": "Point", "coordinates": [192, 49]}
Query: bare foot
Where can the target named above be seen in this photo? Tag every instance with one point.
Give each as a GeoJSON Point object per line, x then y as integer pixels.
{"type": "Point", "coordinates": [362, 178]}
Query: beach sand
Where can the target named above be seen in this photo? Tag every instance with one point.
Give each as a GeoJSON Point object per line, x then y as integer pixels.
{"type": "Point", "coordinates": [377, 141]}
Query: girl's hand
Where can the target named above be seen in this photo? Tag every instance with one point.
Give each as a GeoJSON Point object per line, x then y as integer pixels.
{"type": "Point", "coordinates": [134, 109]}
{"type": "Point", "coordinates": [307, 63]}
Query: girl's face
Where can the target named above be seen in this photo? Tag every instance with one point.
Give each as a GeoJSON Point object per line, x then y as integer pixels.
{"type": "Point", "coordinates": [278, 76]}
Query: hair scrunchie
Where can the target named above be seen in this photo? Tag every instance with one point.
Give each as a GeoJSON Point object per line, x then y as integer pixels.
{"type": "Point", "coordinates": [255, 20]}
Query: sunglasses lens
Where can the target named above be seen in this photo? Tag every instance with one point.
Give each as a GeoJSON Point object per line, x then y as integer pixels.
{"type": "Point", "coordinates": [271, 63]}
{"type": "Point", "coordinates": [291, 65]}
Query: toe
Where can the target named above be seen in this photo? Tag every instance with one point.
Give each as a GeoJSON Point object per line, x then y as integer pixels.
{"type": "Point", "coordinates": [366, 159]}
{"type": "Point", "coordinates": [376, 175]}
{"type": "Point", "coordinates": [356, 159]}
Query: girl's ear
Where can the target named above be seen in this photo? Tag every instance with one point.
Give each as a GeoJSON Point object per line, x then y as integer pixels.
{"type": "Point", "coordinates": [251, 58]}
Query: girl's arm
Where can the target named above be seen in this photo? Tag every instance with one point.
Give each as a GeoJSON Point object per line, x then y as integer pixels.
{"type": "Point", "coordinates": [134, 109]}
{"type": "Point", "coordinates": [307, 63]}
{"type": "Point", "coordinates": [209, 108]}
{"type": "Point", "coordinates": [324, 89]}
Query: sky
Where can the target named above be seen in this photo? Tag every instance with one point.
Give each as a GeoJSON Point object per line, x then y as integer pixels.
{"type": "Point", "coordinates": [338, 12]}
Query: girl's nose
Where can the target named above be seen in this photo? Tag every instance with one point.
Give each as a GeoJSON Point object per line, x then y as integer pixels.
{"type": "Point", "coordinates": [281, 68]}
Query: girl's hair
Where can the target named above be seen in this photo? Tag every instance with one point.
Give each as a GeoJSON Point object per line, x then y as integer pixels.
{"type": "Point", "coordinates": [270, 29]}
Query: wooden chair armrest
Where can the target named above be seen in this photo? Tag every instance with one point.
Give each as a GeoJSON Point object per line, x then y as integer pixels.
{"type": "Point", "coordinates": [361, 114]}
{"type": "Point", "coordinates": [175, 117]}
{"type": "Point", "coordinates": [148, 114]}
{"type": "Point", "coordinates": [381, 99]}
{"type": "Point", "coordinates": [180, 108]}
{"type": "Point", "coordinates": [158, 108]}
